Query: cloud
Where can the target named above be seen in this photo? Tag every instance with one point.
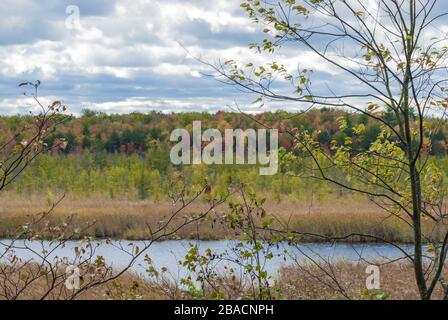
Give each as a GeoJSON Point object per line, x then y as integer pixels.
{"type": "Point", "coordinates": [118, 51]}
{"type": "Point", "coordinates": [126, 55]}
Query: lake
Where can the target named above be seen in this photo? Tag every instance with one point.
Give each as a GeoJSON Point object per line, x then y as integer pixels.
{"type": "Point", "coordinates": [168, 253]}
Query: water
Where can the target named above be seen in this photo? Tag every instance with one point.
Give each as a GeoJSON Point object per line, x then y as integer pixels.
{"type": "Point", "coordinates": [168, 253]}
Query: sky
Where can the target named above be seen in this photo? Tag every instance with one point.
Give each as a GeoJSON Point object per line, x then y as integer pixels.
{"type": "Point", "coordinates": [132, 55]}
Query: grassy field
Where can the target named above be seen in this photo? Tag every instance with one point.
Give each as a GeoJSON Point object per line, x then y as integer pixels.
{"type": "Point", "coordinates": [126, 219]}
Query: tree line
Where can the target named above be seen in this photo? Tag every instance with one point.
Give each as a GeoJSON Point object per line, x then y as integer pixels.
{"type": "Point", "coordinates": [138, 133]}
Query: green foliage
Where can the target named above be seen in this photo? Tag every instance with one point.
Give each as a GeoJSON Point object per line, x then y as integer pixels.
{"type": "Point", "coordinates": [240, 271]}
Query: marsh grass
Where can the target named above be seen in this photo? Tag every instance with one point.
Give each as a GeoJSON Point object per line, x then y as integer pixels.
{"type": "Point", "coordinates": [397, 282]}
{"type": "Point", "coordinates": [129, 219]}
{"type": "Point", "coordinates": [306, 282]}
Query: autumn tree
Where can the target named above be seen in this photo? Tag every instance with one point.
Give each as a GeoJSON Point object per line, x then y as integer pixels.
{"type": "Point", "coordinates": [28, 142]}
{"type": "Point", "coordinates": [393, 58]}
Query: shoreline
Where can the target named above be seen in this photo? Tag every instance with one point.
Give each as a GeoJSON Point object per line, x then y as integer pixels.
{"type": "Point", "coordinates": [304, 242]}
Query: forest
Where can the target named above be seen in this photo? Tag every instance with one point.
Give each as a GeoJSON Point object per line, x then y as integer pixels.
{"type": "Point", "coordinates": [129, 155]}
{"type": "Point", "coordinates": [138, 133]}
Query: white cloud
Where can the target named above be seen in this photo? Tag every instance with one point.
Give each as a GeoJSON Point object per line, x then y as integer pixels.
{"type": "Point", "coordinates": [128, 51]}
{"type": "Point", "coordinates": [24, 105]}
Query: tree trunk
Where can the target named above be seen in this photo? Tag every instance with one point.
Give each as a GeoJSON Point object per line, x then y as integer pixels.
{"type": "Point", "coordinates": [416, 190]}
{"type": "Point", "coordinates": [416, 219]}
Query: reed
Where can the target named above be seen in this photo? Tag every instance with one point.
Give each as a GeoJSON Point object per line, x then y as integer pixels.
{"type": "Point", "coordinates": [128, 219]}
